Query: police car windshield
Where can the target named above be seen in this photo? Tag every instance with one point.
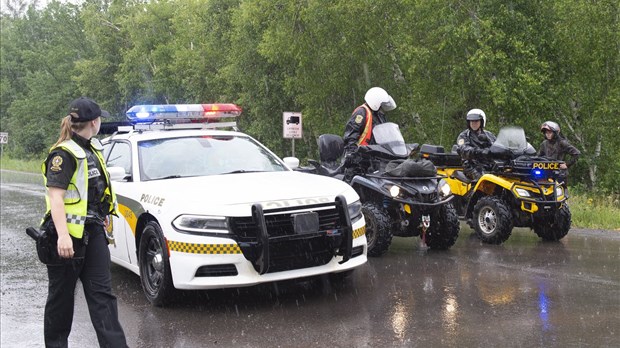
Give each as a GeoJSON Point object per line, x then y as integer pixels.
{"type": "Point", "coordinates": [203, 155]}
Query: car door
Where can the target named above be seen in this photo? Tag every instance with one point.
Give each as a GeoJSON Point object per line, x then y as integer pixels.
{"type": "Point", "coordinates": [118, 154]}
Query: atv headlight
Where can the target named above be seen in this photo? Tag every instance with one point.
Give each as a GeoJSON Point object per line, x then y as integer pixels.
{"type": "Point", "coordinates": [444, 190]}
{"type": "Point", "coordinates": [394, 191]}
{"type": "Point", "coordinates": [522, 192]}
{"type": "Point", "coordinates": [355, 211]}
{"type": "Point", "coordinates": [201, 224]}
{"type": "Point", "coordinates": [559, 191]}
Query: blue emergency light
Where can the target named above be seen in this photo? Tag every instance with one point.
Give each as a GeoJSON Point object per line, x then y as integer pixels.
{"type": "Point", "coordinates": [538, 173]}
{"type": "Point", "coordinates": [192, 112]}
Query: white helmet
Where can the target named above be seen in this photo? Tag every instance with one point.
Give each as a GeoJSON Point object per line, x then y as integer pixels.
{"type": "Point", "coordinates": [377, 98]}
{"type": "Point", "coordinates": [475, 115]}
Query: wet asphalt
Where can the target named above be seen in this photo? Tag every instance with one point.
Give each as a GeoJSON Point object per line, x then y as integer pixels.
{"type": "Point", "coordinates": [524, 293]}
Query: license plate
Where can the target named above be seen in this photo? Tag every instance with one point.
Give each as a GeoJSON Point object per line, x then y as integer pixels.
{"type": "Point", "coordinates": [306, 222]}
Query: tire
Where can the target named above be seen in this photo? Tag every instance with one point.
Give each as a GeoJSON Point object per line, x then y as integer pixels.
{"type": "Point", "coordinates": [550, 230]}
{"type": "Point", "coordinates": [492, 220]}
{"type": "Point", "coordinates": [155, 274]}
{"type": "Point", "coordinates": [378, 232]}
{"type": "Point", "coordinates": [444, 228]}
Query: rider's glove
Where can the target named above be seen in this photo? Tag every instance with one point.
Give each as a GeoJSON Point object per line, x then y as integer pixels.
{"type": "Point", "coordinates": [482, 152]}
{"type": "Point", "coordinates": [349, 159]}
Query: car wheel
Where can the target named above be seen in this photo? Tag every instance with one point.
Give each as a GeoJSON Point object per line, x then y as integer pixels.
{"type": "Point", "coordinates": [444, 229]}
{"type": "Point", "coordinates": [554, 229]}
{"type": "Point", "coordinates": [155, 274]}
{"type": "Point", "coordinates": [492, 220]}
{"type": "Point", "coordinates": [378, 232]}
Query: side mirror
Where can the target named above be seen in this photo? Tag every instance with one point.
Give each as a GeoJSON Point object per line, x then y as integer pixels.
{"type": "Point", "coordinates": [291, 162]}
{"type": "Point", "coordinates": [117, 173]}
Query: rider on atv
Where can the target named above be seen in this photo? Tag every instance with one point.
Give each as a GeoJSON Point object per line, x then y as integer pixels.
{"type": "Point", "coordinates": [473, 144]}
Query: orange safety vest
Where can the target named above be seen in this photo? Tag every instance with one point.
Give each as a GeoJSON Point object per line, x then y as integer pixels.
{"type": "Point", "coordinates": [367, 134]}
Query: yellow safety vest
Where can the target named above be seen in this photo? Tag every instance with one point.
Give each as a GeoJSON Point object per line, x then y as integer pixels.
{"type": "Point", "coordinates": [76, 196]}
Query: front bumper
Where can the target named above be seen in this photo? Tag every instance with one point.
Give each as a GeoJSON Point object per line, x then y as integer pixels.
{"type": "Point", "coordinates": [260, 251]}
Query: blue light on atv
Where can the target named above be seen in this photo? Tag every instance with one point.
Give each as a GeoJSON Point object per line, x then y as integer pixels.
{"type": "Point", "coordinates": [538, 174]}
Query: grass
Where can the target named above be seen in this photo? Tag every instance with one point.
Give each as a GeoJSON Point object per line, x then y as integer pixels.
{"type": "Point", "coordinates": [30, 166]}
{"type": "Point", "coordinates": [589, 209]}
{"type": "Point", "coordinates": [595, 211]}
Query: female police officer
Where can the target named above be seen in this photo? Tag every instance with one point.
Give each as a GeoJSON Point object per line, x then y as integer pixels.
{"type": "Point", "coordinates": [79, 199]}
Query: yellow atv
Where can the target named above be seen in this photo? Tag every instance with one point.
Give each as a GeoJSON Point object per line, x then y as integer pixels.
{"type": "Point", "coordinates": [518, 189]}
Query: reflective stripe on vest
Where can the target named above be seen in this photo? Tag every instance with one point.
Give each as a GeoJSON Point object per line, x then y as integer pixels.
{"type": "Point", "coordinates": [367, 134]}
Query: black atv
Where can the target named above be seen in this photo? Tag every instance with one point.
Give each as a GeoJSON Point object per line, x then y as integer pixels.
{"type": "Point", "coordinates": [401, 196]}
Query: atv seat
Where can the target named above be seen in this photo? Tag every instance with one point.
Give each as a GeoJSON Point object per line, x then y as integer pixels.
{"type": "Point", "coordinates": [459, 175]}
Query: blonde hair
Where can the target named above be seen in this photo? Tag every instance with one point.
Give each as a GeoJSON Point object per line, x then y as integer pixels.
{"type": "Point", "coordinates": [67, 127]}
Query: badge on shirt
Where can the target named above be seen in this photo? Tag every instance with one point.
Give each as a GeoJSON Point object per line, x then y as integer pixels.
{"type": "Point", "coordinates": [56, 163]}
{"type": "Point", "coordinates": [93, 173]}
{"type": "Point", "coordinates": [461, 141]}
{"type": "Point", "coordinates": [359, 118]}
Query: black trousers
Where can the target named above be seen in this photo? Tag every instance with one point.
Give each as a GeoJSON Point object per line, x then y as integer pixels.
{"type": "Point", "coordinates": [94, 273]}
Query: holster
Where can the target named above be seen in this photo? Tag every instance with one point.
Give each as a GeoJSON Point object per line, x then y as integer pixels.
{"type": "Point", "coordinates": [47, 243]}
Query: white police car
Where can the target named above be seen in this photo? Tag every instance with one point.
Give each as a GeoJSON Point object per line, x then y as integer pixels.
{"type": "Point", "coordinates": [203, 208]}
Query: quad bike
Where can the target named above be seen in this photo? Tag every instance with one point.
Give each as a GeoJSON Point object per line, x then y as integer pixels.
{"type": "Point", "coordinates": [400, 196]}
{"type": "Point", "coordinates": [518, 189]}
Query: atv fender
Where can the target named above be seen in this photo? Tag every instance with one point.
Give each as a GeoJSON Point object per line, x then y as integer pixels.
{"type": "Point", "coordinates": [361, 185]}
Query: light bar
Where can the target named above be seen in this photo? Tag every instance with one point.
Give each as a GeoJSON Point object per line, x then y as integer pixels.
{"type": "Point", "coordinates": [171, 112]}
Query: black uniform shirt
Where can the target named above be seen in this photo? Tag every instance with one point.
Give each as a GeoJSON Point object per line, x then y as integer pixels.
{"type": "Point", "coordinates": [356, 125]}
{"type": "Point", "coordinates": [60, 168]}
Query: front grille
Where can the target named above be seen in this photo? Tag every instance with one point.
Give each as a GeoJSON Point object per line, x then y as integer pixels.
{"type": "Point", "coordinates": [429, 198]}
{"type": "Point", "coordinates": [299, 254]}
{"type": "Point", "coordinates": [280, 224]}
{"type": "Point", "coordinates": [288, 250]}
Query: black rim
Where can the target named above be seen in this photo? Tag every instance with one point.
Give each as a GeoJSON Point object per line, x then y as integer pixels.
{"type": "Point", "coordinates": [153, 266]}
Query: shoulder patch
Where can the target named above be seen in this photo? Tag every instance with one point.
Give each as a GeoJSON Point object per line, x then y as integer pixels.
{"type": "Point", "coordinates": [461, 141]}
{"type": "Point", "coordinates": [359, 118]}
{"type": "Point", "coordinates": [56, 163]}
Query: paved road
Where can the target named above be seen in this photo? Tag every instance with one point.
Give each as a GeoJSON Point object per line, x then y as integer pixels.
{"type": "Point", "coordinates": [524, 293]}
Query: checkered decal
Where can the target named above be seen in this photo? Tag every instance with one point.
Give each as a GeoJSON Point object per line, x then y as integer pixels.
{"type": "Point", "coordinates": [76, 219]}
{"type": "Point", "coordinates": [359, 232]}
{"type": "Point", "coordinates": [194, 248]}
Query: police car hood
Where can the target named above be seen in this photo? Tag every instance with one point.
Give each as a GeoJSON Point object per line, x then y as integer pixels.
{"type": "Point", "coordinates": [234, 194]}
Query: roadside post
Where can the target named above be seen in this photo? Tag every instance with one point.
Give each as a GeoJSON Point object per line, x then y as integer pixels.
{"type": "Point", "coordinates": [4, 139]}
{"type": "Point", "coordinates": [292, 127]}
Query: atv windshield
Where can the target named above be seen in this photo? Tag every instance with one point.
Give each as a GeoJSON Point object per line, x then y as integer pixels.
{"type": "Point", "coordinates": [388, 135]}
{"type": "Point", "coordinates": [512, 139]}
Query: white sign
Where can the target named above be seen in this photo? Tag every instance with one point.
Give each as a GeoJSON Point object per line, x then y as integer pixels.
{"type": "Point", "coordinates": [4, 138]}
{"type": "Point", "coordinates": [292, 128]}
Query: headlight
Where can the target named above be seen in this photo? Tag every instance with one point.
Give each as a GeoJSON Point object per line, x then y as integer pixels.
{"type": "Point", "coordinates": [522, 192]}
{"type": "Point", "coordinates": [445, 190]}
{"type": "Point", "coordinates": [559, 191]}
{"type": "Point", "coordinates": [355, 210]}
{"type": "Point", "coordinates": [201, 223]}
{"type": "Point", "coordinates": [394, 191]}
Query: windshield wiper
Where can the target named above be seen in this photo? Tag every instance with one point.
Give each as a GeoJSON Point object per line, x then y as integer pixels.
{"type": "Point", "coordinates": [243, 171]}
{"type": "Point", "coordinates": [168, 177]}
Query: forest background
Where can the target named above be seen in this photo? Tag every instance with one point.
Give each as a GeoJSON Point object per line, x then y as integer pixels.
{"type": "Point", "coordinates": [521, 61]}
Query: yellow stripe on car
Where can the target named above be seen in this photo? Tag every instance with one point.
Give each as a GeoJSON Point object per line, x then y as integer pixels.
{"type": "Point", "coordinates": [359, 232]}
{"type": "Point", "coordinates": [195, 248]}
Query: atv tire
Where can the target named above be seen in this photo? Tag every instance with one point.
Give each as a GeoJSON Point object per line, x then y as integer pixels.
{"type": "Point", "coordinates": [444, 229]}
{"type": "Point", "coordinates": [554, 230]}
{"type": "Point", "coordinates": [492, 220]}
{"type": "Point", "coordinates": [378, 231]}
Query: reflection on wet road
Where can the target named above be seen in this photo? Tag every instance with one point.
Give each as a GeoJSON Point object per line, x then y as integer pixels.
{"type": "Point", "coordinates": [524, 293]}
